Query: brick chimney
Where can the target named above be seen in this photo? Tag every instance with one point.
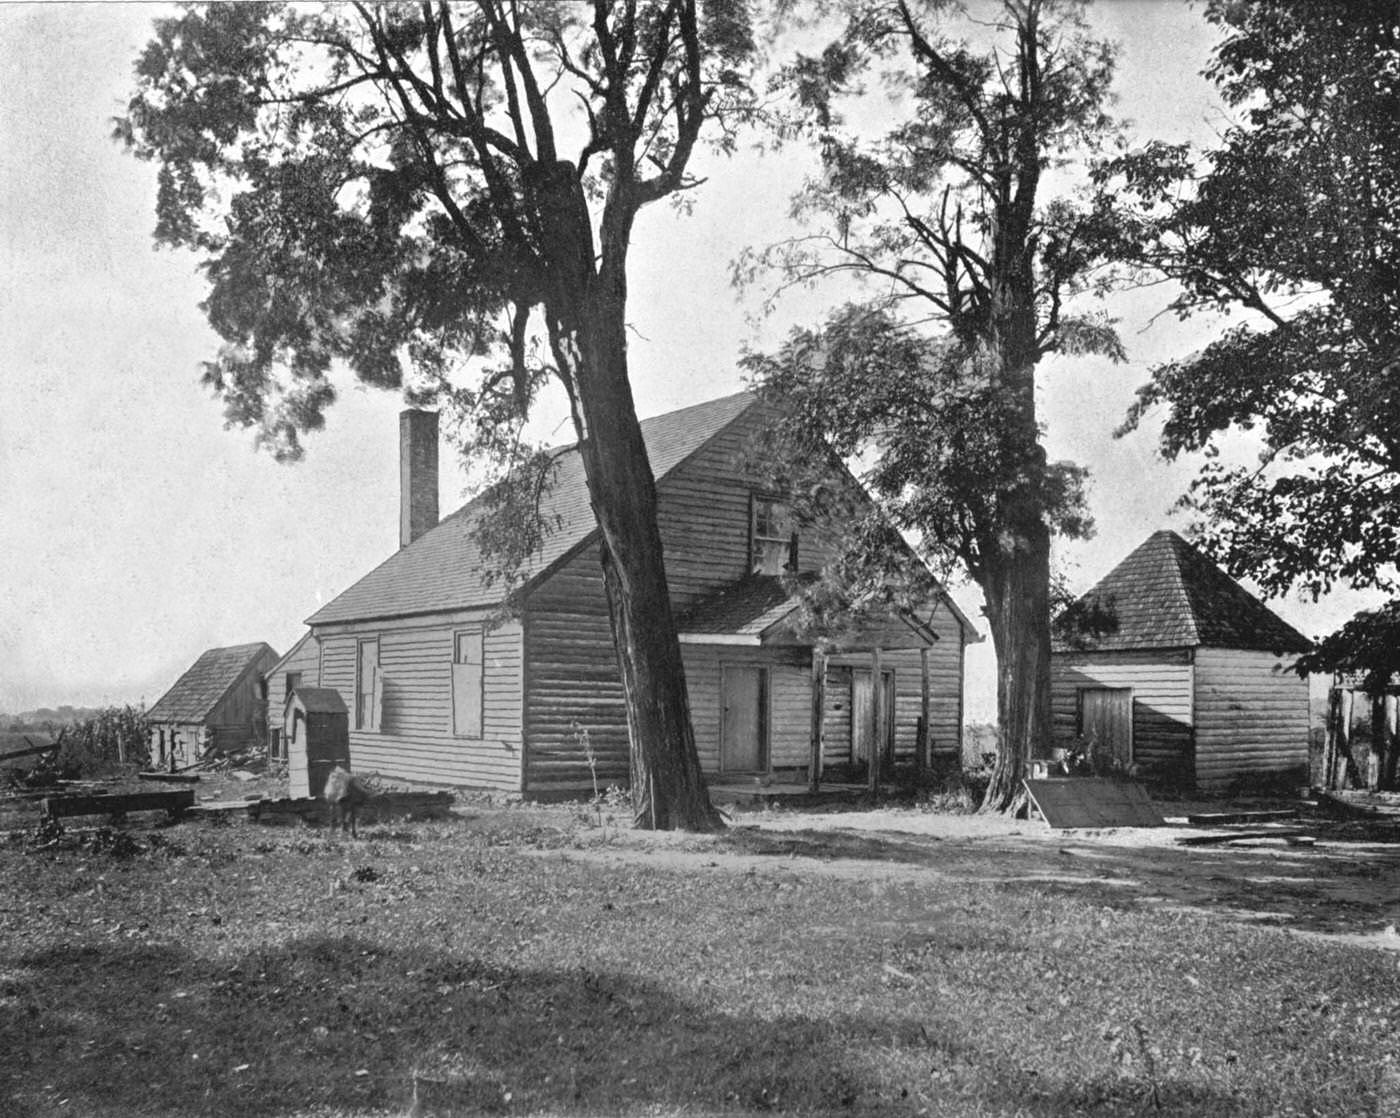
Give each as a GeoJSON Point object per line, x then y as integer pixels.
{"type": "Point", "coordinates": [418, 474]}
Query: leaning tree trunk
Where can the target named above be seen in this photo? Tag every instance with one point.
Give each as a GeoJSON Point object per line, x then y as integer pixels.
{"type": "Point", "coordinates": [586, 309]}
{"type": "Point", "coordinates": [668, 790]}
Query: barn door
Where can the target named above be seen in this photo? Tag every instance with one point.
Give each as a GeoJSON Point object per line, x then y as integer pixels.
{"type": "Point", "coordinates": [744, 720]}
{"type": "Point", "coordinates": [1106, 723]}
{"type": "Point", "coordinates": [862, 727]}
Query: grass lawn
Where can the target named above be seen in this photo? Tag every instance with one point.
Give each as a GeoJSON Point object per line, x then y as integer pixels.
{"type": "Point", "coordinates": [527, 964]}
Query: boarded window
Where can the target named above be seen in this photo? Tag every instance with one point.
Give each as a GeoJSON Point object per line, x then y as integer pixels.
{"type": "Point", "coordinates": [369, 688]}
{"type": "Point", "coordinates": [468, 683]}
{"type": "Point", "coordinates": [772, 541]}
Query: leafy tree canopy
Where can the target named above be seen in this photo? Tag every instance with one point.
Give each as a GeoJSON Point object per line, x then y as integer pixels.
{"type": "Point", "coordinates": [1293, 219]}
{"type": "Point", "coordinates": [1368, 645]}
{"type": "Point", "coordinates": [375, 184]}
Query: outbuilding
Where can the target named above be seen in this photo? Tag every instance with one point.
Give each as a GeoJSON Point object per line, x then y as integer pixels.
{"type": "Point", "coordinates": [1171, 669]}
{"type": "Point", "coordinates": [215, 706]}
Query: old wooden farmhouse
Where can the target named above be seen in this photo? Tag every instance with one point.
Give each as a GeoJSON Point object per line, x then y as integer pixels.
{"type": "Point", "coordinates": [442, 686]}
{"type": "Point", "coordinates": [216, 705]}
{"type": "Point", "coordinates": [1171, 666]}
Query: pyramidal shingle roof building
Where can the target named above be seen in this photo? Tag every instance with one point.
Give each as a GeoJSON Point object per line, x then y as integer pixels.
{"type": "Point", "coordinates": [1168, 594]}
{"type": "Point", "coordinates": [1169, 668]}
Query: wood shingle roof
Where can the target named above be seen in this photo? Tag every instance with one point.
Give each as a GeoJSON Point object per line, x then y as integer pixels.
{"type": "Point", "coordinates": [442, 569]}
{"type": "Point", "coordinates": [1168, 594]}
{"type": "Point", "coordinates": [197, 692]}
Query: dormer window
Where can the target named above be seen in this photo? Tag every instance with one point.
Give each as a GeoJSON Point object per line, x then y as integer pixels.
{"type": "Point", "coordinates": [772, 540]}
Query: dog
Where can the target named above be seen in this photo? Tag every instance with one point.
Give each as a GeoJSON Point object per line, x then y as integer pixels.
{"type": "Point", "coordinates": [344, 793]}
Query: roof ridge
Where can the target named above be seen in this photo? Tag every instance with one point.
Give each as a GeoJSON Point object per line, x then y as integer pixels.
{"type": "Point", "coordinates": [1179, 547]}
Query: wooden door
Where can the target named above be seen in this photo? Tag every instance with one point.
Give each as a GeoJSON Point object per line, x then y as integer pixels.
{"type": "Point", "coordinates": [1106, 723]}
{"type": "Point", "coordinates": [744, 720]}
{"type": "Point", "coordinates": [862, 723]}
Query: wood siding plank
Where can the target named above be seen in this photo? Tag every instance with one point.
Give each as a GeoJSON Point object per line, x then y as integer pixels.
{"type": "Point", "coordinates": [1252, 717]}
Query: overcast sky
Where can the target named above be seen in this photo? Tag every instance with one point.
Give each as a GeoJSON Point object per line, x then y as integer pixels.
{"type": "Point", "coordinates": [135, 531]}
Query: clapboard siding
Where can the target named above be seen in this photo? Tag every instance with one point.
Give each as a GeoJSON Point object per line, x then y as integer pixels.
{"type": "Point", "coordinates": [572, 683]}
{"type": "Point", "coordinates": [703, 515]}
{"type": "Point", "coordinates": [789, 700]}
{"type": "Point", "coordinates": [1161, 682]}
{"type": "Point", "coordinates": [416, 740]}
{"type": "Point", "coordinates": [304, 657]}
{"type": "Point", "coordinates": [1251, 716]}
{"type": "Point", "coordinates": [563, 665]}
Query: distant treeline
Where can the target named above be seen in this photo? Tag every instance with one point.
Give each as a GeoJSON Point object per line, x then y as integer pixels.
{"type": "Point", "coordinates": [45, 717]}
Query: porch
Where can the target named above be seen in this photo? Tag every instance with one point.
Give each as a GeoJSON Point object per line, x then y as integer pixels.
{"type": "Point", "coordinates": [780, 712]}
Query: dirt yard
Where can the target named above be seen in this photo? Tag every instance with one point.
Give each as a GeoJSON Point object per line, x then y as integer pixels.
{"type": "Point", "coordinates": [1346, 884]}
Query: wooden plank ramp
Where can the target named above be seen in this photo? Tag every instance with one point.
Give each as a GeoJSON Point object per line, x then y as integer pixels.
{"type": "Point", "coordinates": [1090, 801]}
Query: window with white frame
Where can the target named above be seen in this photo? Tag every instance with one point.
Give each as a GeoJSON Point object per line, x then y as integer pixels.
{"type": "Point", "coordinates": [468, 682]}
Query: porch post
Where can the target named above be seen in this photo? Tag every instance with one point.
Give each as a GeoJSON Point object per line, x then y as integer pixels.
{"type": "Point", "coordinates": [1345, 764]}
{"type": "Point", "coordinates": [818, 716]}
{"type": "Point", "coordinates": [921, 747]}
{"type": "Point", "coordinates": [877, 715]}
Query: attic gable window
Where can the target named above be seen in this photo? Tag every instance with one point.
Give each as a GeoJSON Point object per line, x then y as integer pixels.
{"type": "Point", "coordinates": [772, 538]}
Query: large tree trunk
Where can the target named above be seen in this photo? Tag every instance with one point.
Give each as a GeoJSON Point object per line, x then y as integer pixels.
{"type": "Point", "coordinates": [1017, 591]}
{"type": "Point", "coordinates": [586, 309]}
{"type": "Point", "coordinates": [668, 790]}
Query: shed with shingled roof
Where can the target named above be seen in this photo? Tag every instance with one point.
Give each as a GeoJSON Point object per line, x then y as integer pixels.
{"type": "Point", "coordinates": [453, 678]}
{"type": "Point", "coordinates": [215, 706]}
{"type": "Point", "coordinates": [1171, 668]}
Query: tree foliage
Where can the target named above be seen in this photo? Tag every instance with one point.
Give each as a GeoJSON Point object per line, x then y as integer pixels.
{"type": "Point", "coordinates": [368, 184]}
{"type": "Point", "coordinates": [1368, 645]}
{"type": "Point", "coordinates": [441, 197]}
{"type": "Point", "coordinates": [1292, 220]}
{"type": "Point", "coordinates": [975, 269]}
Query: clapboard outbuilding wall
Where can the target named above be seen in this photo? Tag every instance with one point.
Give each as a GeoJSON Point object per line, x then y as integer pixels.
{"type": "Point", "coordinates": [1173, 668]}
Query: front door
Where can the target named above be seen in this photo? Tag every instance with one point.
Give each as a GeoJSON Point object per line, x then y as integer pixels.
{"type": "Point", "coordinates": [744, 721]}
{"type": "Point", "coordinates": [1106, 723]}
{"type": "Point", "coordinates": [862, 717]}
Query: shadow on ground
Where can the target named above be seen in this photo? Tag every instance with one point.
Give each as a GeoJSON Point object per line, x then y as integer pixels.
{"type": "Point", "coordinates": [341, 1025]}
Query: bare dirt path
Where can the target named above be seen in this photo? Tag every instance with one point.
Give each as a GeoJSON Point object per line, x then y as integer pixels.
{"type": "Point", "coordinates": [1345, 885]}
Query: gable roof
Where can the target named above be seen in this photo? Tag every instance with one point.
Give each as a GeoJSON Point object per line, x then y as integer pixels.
{"type": "Point", "coordinates": [317, 700]}
{"type": "Point", "coordinates": [441, 570]}
{"type": "Point", "coordinates": [287, 656]}
{"type": "Point", "coordinates": [1168, 594]}
{"type": "Point", "coordinates": [196, 693]}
